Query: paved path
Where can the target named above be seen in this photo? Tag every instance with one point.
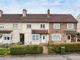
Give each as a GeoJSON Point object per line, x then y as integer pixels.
{"type": "Point", "coordinates": [45, 57]}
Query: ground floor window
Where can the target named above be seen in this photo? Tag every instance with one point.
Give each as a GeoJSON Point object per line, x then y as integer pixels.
{"type": "Point", "coordinates": [43, 37]}
{"type": "Point", "coordinates": [56, 37]}
{"type": "Point", "coordinates": [35, 37]}
{"type": "Point", "coordinates": [7, 36]}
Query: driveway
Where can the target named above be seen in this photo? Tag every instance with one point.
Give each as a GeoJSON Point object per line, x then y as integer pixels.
{"type": "Point", "coordinates": [43, 57]}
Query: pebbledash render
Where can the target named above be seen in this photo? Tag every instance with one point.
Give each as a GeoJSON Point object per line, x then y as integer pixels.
{"type": "Point", "coordinates": [37, 28]}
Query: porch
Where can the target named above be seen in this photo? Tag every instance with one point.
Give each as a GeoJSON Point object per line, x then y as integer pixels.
{"type": "Point", "coordinates": [5, 37]}
{"type": "Point", "coordinates": [71, 37]}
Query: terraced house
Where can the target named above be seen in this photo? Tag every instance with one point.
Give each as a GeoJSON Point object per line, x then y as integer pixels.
{"type": "Point", "coordinates": [37, 28]}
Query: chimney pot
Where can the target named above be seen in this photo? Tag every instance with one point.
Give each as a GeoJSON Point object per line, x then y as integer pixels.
{"type": "Point", "coordinates": [48, 13]}
{"type": "Point", "coordinates": [1, 13]}
{"type": "Point", "coordinates": [24, 12]}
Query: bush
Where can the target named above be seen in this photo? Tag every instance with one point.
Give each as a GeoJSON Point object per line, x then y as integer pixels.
{"type": "Point", "coordinates": [29, 49]}
{"type": "Point", "coordinates": [69, 48]}
{"type": "Point", "coordinates": [72, 48]}
{"type": "Point", "coordinates": [4, 51]}
{"type": "Point", "coordinates": [5, 45]}
{"type": "Point", "coordinates": [54, 48]}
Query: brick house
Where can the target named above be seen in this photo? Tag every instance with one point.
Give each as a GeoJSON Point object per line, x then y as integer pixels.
{"type": "Point", "coordinates": [37, 28]}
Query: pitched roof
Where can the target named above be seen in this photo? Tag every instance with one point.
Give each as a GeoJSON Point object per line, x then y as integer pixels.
{"type": "Point", "coordinates": [37, 18]}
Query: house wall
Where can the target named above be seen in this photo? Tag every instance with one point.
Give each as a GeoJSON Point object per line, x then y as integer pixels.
{"type": "Point", "coordinates": [22, 28]}
{"type": "Point", "coordinates": [63, 27]}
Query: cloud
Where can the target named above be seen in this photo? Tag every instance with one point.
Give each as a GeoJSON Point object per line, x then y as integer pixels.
{"type": "Point", "coordinates": [40, 6]}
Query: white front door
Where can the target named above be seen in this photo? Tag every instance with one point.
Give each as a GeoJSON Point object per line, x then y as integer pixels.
{"type": "Point", "coordinates": [44, 39]}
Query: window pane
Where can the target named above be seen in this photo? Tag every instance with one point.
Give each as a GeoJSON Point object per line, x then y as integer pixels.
{"type": "Point", "coordinates": [56, 26]}
{"type": "Point", "coordinates": [8, 38]}
{"type": "Point", "coordinates": [15, 26]}
{"type": "Point", "coordinates": [69, 26]}
{"type": "Point", "coordinates": [28, 25]}
{"type": "Point", "coordinates": [5, 38]}
{"type": "Point", "coordinates": [56, 37]}
{"type": "Point", "coordinates": [42, 25]}
{"type": "Point", "coordinates": [33, 37]}
{"type": "Point", "coordinates": [43, 37]}
{"type": "Point", "coordinates": [37, 37]}
{"type": "Point", "coordinates": [1, 26]}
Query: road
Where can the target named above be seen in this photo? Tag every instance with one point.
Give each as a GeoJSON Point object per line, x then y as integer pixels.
{"type": "Point", "coordinates": [43, 57]}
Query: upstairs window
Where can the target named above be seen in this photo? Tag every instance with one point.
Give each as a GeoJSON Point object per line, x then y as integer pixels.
{"type": "Point", "coordinates": [15, 26]}
{"type": "Point", "coordinates": [42, 25]}
{"type": "Point", "coordinates": [28, 26]}
{"type": "Point", "coordinates": [70, 26]}
{"type": "Point", "coordinates": [1, 26]}
{"type": "Point", "coordinates": [56, 26]}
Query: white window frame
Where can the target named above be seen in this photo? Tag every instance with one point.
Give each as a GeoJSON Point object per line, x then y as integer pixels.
{"type": "Point", "coordinates": [42, 26]}
{"type": "Point", "coordinates": [56, 35]}
{"type": "Point", "coordinates": [7, 35]}
{"type": "Point", "coordinates": [15, 26]}
{"type": "Point", "coordinates": [36, 37]}
{"type": "Point", "coordinates": [56, 26]}
{"type": "Point", "coordinates": [70, 28]}
{"type": "Point", "coordinates": [28, 26]}
{"type": "Point", "coordinates": [1, 26]}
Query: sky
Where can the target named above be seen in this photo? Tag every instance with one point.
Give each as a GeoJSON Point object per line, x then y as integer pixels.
{"type": "Point", "coordinates": [41, 6]}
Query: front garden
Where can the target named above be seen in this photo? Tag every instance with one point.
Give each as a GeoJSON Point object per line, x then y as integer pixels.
{"type": "Point", "coordinates": [20, 49]}
{"type": "Point", "coordinates": [68, 48]}
{"type": "Point", "coordinates": [37, 49]}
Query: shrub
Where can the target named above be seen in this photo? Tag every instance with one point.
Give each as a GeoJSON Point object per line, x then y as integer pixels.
{"type": "Point", "coordinates": [5, 45]}
{"type": "Point", "coordinates": [54, 48]}
{"type": "Point", "coordinates": [69, 48]}
{"type": "Point", "coordinates": [34, 49]}
{"type": "Point", "coordinates": [72, 48]}
{"type": "Point", "coordinates": [29, 49]}
{"type": "Point", "coordinates": [4, 51]}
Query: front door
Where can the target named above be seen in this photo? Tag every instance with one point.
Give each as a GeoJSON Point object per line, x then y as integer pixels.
{"type": "Point", "coordinates": [22, 38]}
{"type": "Point", "coordinates": [44, 38]}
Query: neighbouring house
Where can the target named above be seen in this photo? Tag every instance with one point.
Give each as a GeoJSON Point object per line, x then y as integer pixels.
{"type": "Point", "coordinates": [78, 27]}
{"type": "Point", "coordinates": [37, 28]}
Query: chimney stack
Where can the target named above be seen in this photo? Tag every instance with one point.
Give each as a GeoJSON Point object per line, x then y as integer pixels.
{"type": "Point", "coordinates": [1, 13]}
{"type": "Point", "coordinates": [48, 13]}
{"type": "Point", "coordinates": [24, 12]}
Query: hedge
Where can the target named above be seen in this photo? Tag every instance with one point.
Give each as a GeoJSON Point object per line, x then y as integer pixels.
{"type": "Point", "coordinates": [4, 51]}
{"type": "Point", "coordinates": [29, 49]}
{"type": "Point", "coordinates": [69, 48]}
